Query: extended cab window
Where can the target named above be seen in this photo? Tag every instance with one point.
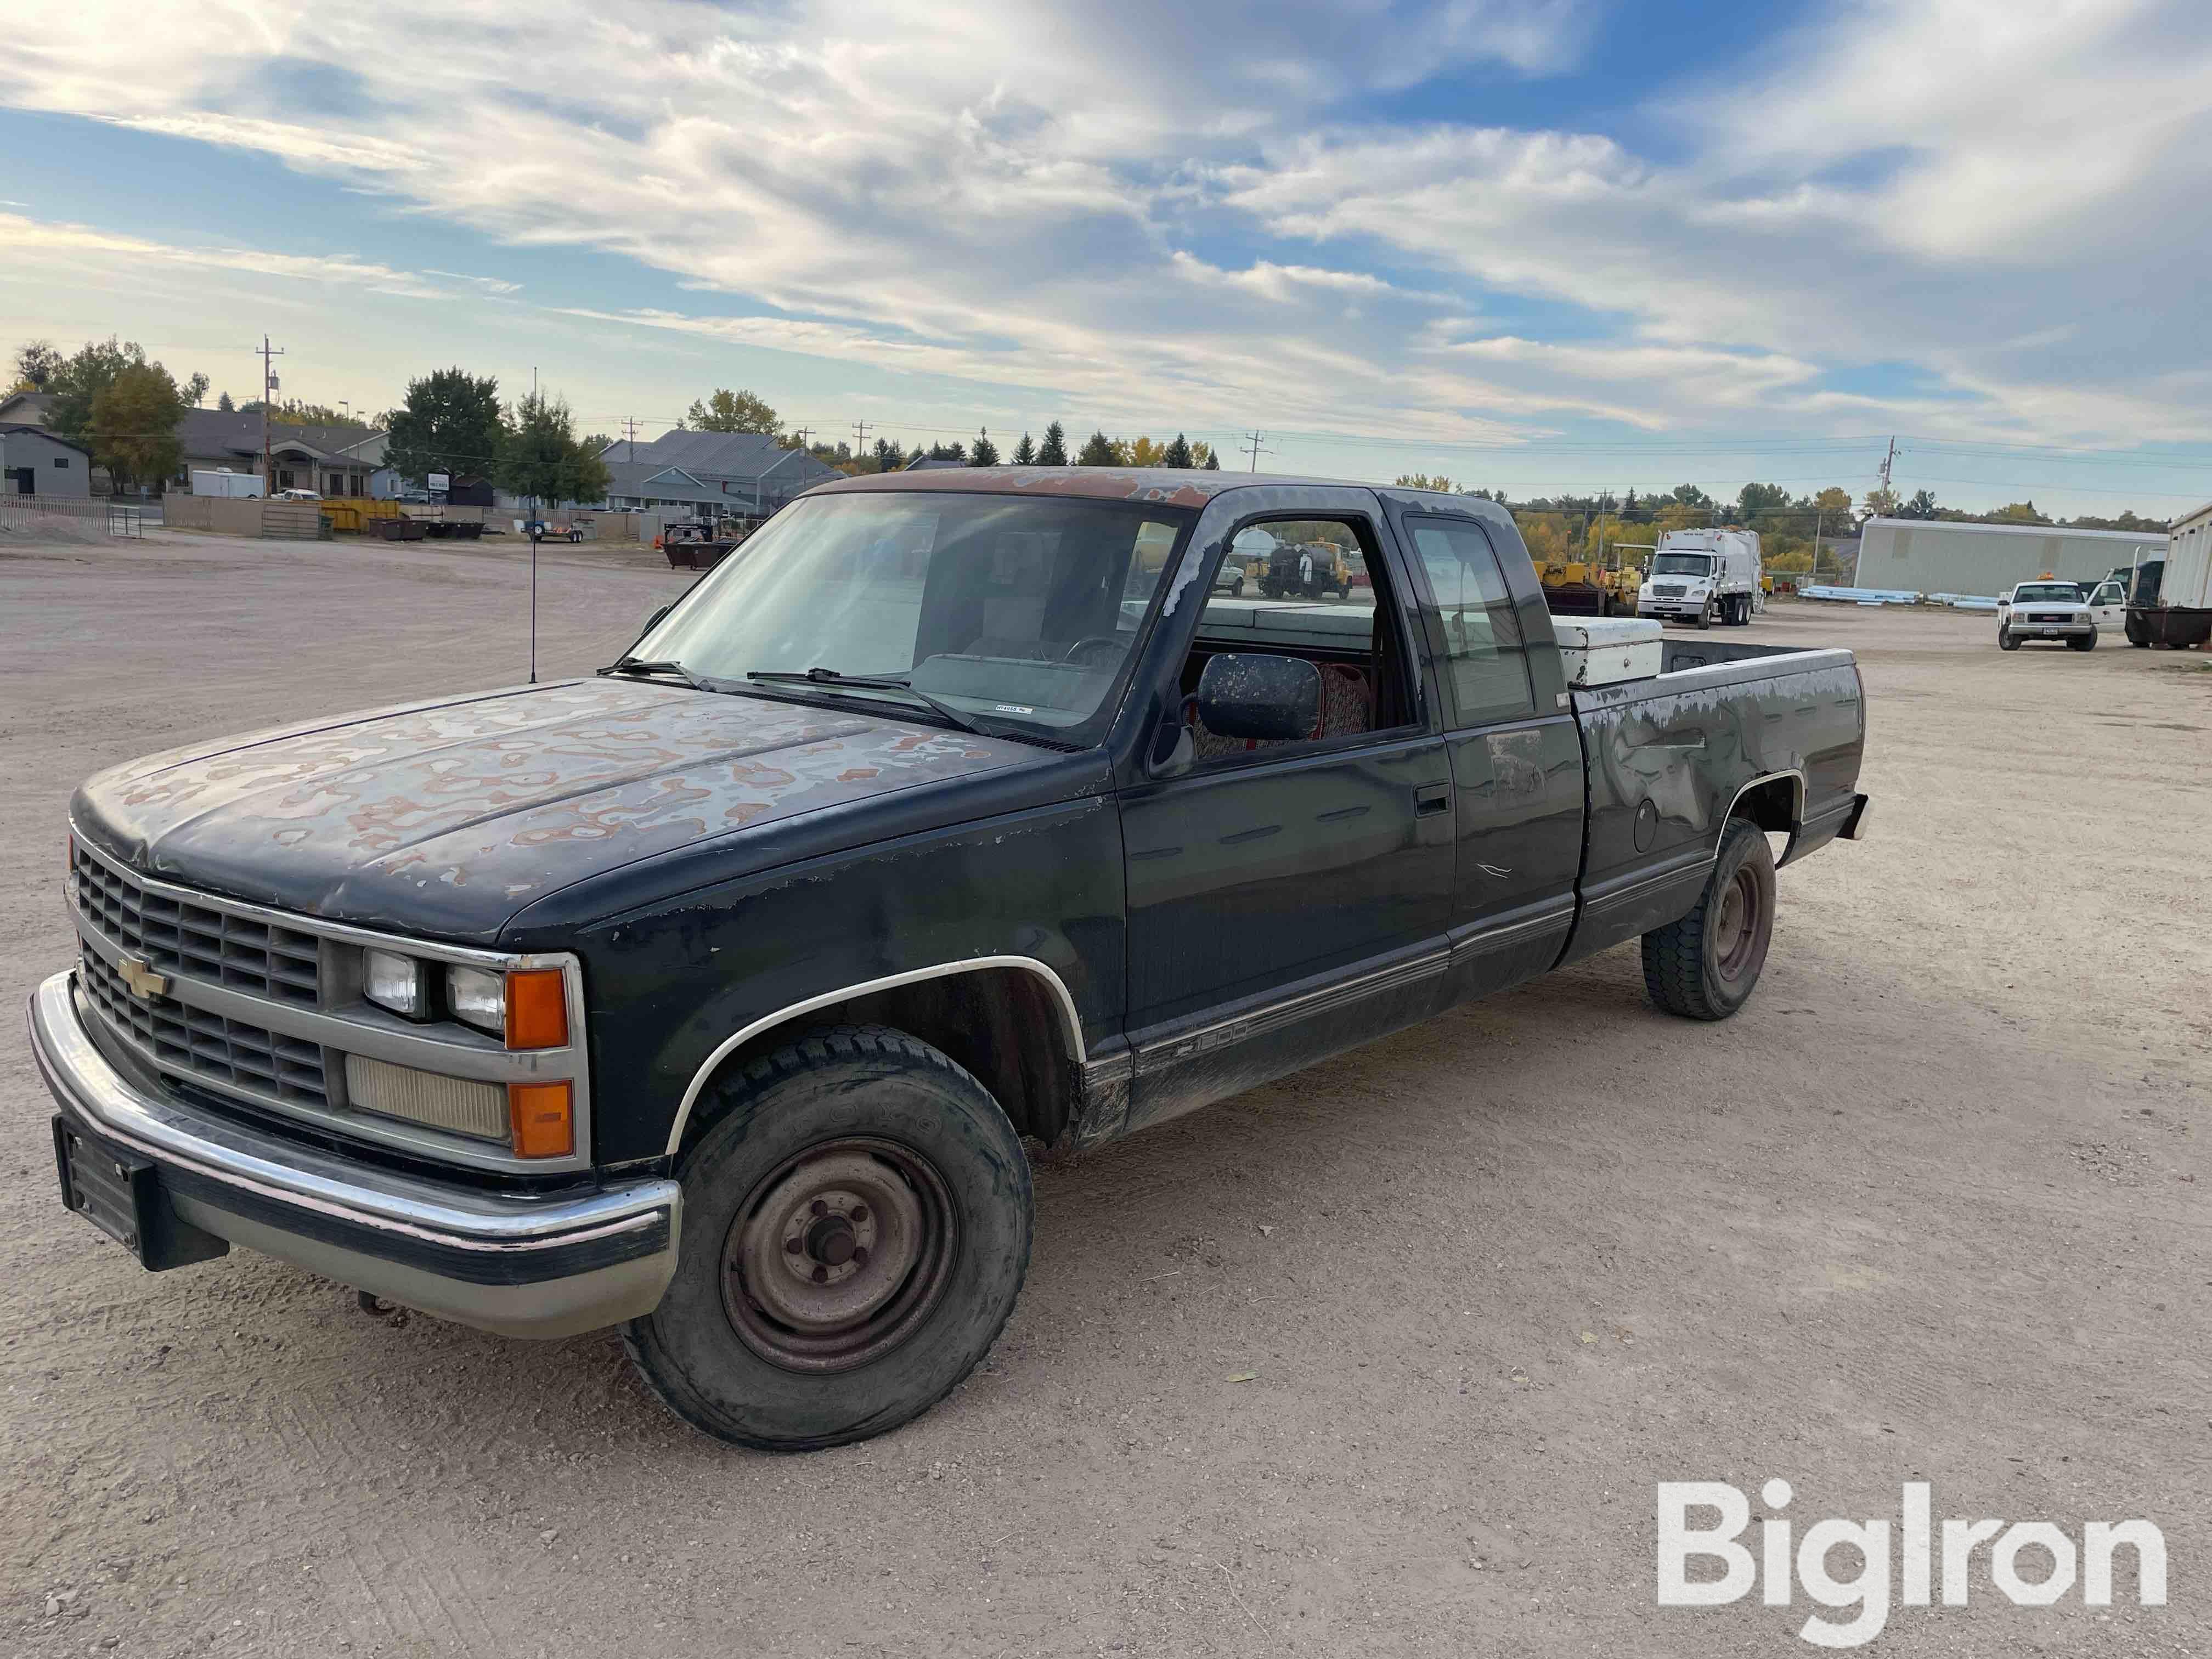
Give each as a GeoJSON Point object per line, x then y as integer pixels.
{"type": "Point", "coordinates": [1485, 660]}
{"type": "Point", "coordinates": [1309, 590]}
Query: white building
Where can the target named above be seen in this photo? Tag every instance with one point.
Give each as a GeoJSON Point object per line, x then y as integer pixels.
{"type": "Point", "coordinates": [1939, 556]}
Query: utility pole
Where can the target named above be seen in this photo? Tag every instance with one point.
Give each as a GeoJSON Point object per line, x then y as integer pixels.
{"type": "Point", "coordinates": [859, 439]}
{"type": "Point", "coordinates": [1887, 462]}
{"type": "Point", "coordinates": [1252, 442]}
{"type": "Point", "coordinates": [268, 355]}
{"type": "Point", "coordinates": [629, 432]}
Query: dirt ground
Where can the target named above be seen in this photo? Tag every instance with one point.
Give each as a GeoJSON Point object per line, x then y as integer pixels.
{"type": "Point", "coordinates": [1933, 1207]}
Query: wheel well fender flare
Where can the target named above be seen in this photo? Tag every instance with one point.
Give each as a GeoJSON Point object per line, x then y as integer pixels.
{"type": "Point", "coordinates": [1061, 998]}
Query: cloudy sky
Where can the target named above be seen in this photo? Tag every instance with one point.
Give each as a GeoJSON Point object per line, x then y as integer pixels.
{"type": "Point", "coordinates": [1530, 243]}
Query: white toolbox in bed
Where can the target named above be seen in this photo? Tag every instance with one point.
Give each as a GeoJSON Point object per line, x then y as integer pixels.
{"type": "Point", "coordinates": [1606, 650]}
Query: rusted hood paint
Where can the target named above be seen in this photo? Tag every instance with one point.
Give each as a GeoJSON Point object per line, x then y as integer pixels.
{"type": "Point", "coordinates": [448, 818]}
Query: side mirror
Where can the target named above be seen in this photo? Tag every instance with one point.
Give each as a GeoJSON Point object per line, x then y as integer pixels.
{"type": "Point", "coordinates": [1269, 699]}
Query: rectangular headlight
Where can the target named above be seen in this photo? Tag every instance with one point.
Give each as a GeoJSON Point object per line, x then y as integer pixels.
{"type": "Point", "coordinates": [478, 998]}
{"type": "Point", "coordinates": [397, 983]}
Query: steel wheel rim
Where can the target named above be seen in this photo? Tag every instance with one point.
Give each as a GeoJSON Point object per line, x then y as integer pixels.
{"type": "Point", "coordinates": [839, 1255]}
{"type": "Point", "coordinates": [1736, 925]}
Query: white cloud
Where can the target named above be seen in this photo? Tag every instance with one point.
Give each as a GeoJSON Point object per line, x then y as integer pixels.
{"type": "Point", "coordinates": [1032, 201]}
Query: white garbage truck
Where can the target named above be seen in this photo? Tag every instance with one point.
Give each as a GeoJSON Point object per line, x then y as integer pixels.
{"type": "Point", "coordinates": [1704, 576]}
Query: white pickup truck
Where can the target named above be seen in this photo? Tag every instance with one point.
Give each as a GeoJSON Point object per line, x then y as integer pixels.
{"type": "Point", "coordinates": [2046, 610]}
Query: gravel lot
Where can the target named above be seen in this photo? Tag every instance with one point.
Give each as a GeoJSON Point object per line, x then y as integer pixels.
{"type": "Point", "coordinates": [1933, 1207]}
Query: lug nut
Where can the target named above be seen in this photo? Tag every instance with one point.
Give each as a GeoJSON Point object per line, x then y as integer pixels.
{"type": "Point", "coordinates": [860, 1212]}
{"type": "Point", "coordinates": [821, 1275]}
{"type": "Point", "coordinates": [819, 1207]}
{"type": "Point", "coordinates": [793, 1246]}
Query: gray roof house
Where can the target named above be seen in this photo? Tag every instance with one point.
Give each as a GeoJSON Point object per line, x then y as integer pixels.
{"type": "Point", "coordinates": [726, 472]}
{"type": "Point", "coordinates": [28, 409]}
{"type": "Point", "coordinates": [330, 460]}
{"type": "Point", "coordinates": [35, 462]}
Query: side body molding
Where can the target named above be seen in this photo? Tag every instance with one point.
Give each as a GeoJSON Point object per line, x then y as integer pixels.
{"type": "Point", "coordinates": [729, 1045]}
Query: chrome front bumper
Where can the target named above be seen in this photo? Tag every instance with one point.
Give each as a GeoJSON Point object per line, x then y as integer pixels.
{"type": "Point", "coordinates": [519, 1266]}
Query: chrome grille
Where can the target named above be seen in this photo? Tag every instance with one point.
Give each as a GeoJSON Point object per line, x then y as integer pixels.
{"type": "Point", "coordinates": [209, 1048]}
{"type": "Point", "coordinates": [196, 941]}
{"type": "Point", "coordinates": [1667, 589]}
{"type": "Point", "coordinates": [2051, 617]}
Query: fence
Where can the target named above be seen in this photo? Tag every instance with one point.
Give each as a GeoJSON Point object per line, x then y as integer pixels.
{"type": "Point", "coordinates": [244, 516]}
{"type": "Point", "coordinates": [45, 512]}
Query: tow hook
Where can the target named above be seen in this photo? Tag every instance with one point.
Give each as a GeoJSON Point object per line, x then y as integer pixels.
{"type": "Point", "coordinates": [376, 1307]}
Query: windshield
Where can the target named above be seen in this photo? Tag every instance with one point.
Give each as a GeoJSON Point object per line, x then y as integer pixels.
{"type": "Point", "coordinates": [1021, 611]}
{"type": "Point", "coordinates": [2045, 592]}
{"type": "Point", "coordinates": [1682, 564]}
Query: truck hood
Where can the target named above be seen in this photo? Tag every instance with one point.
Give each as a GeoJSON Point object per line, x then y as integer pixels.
{"type": "Point", "coordinates": [446, 819]}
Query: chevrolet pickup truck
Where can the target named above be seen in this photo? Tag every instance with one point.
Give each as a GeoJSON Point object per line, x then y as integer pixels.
{"type": "Point", "coordinates": [716, 996]}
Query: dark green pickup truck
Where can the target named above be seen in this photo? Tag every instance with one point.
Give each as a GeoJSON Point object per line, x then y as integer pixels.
{"type": "Point", "coordinates": [715, 996]}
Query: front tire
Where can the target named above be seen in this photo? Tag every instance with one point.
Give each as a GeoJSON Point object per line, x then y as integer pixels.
{"type": "Point", "coordinates": [2005, 641]}
{"type": "Point", "coordinates": [856, 1228]}
{"type": "Point", "coordinates": [1706, 616]}
{"type": "Point", "coordinates": [1705, 965]}
{"type": "Point", "coordinates": [2083, 642]}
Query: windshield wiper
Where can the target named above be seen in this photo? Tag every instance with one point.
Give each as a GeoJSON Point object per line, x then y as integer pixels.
{"type": "Point", "coordinates": [652, 665]}
{"type": "Point", "coordinates": [830, 676]}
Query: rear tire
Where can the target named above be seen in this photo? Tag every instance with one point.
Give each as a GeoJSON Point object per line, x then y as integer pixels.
{"type": "Point", "coordinates": [1705, 965]}
{"type": "Point", "coordinates": [856, 1228]}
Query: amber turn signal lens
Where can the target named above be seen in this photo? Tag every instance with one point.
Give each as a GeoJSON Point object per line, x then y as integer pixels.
{"type": "Point", "coordinates": [543, 1115]}
{"type": "Point", "coordinates": [537, 1009]}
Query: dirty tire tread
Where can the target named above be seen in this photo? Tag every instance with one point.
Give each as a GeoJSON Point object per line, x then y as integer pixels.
{"type": "Point", "coordinates": [1675, 955]}
{"type": "Point", "coordinates": [729, 1095]}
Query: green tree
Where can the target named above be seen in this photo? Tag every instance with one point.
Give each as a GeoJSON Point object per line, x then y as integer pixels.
{"type": "Point", "coordinates": [1025, 452]}
{"type": "Point", "coordinates": [1098, 451]}
{"type": "Point", "coordinates": [134, 426]}
{"type": "Point", "coordinates": [541, 458]}
{"type": "Point", "coordinates": [1690, 496]}
{"type": "Point", "coordinates": [889, 458]}
{"type": "Point", "coordinates": [1213, 462]}
{"type": "Point", "coordinates": [599, 443]}
{"type": "Point", "coordinates": [83, 377]}
{"type": "Point", "coordinates": [1881, 503]}
{"type": "Point", "coordinates": [1423, 481]}
{"type": "Point", "coordinates": [983, 451]}
{"type": "Point", "coordinates": [1201, 455]}
{"type": "Point", "coordinates": [2018, 512]}
{"type": "Point", "coordinates": [223, 402]}
{"type": "Point", "coordinates": [195, 389]}
{"type": "Point", "coordinates": [1922, 506]}
{"type": "Point", "coordinates": [1052, 452]}
{"type": "Point", "coordinates": [1178, 454]}
{"type": "Point", "coordinates": [1756, 498]}
{"type": "Point", "coordinates": [37, 362]}
{"type": "Point", "coordinates": [949, 452]}
{"type": "Point", "coordinates": [452, 423]}
{"type": "Point", "coordinates": [733, 411]}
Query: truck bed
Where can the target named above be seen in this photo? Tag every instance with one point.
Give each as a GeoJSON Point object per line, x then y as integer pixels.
{"type": "Point", "coordinates": [1666, 759]}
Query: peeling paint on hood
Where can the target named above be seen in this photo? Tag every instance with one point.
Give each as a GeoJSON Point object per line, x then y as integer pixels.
{"type": "Point", "coordinates": [448, 818]}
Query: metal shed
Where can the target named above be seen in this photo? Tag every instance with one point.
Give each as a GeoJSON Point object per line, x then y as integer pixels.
{"type": "Point", "coordinates": [1938, 557]}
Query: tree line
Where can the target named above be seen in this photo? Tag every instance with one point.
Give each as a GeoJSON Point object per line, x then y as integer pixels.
{"type": "Point", "coordinates": [1603, 528]}
{"type": "Point", "coordinates": [741, 410]}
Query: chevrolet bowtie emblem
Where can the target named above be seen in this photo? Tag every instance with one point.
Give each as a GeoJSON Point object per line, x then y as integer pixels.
{"type": "Point", "coordinates": [143, 981]}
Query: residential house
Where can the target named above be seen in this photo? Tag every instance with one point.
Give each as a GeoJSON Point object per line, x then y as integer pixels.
{"type": "Point", "coordinates": [26, 409]}
{"type": "Point", "coordinates": [35, 462]}
{"type": "Point", "coordinates": [719, 472]}
{"type": "Point", "coordinates": [330, 460]}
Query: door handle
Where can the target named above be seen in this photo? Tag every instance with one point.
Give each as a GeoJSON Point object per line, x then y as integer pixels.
{"type": "Point", "coordinates": [1431, 799]}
